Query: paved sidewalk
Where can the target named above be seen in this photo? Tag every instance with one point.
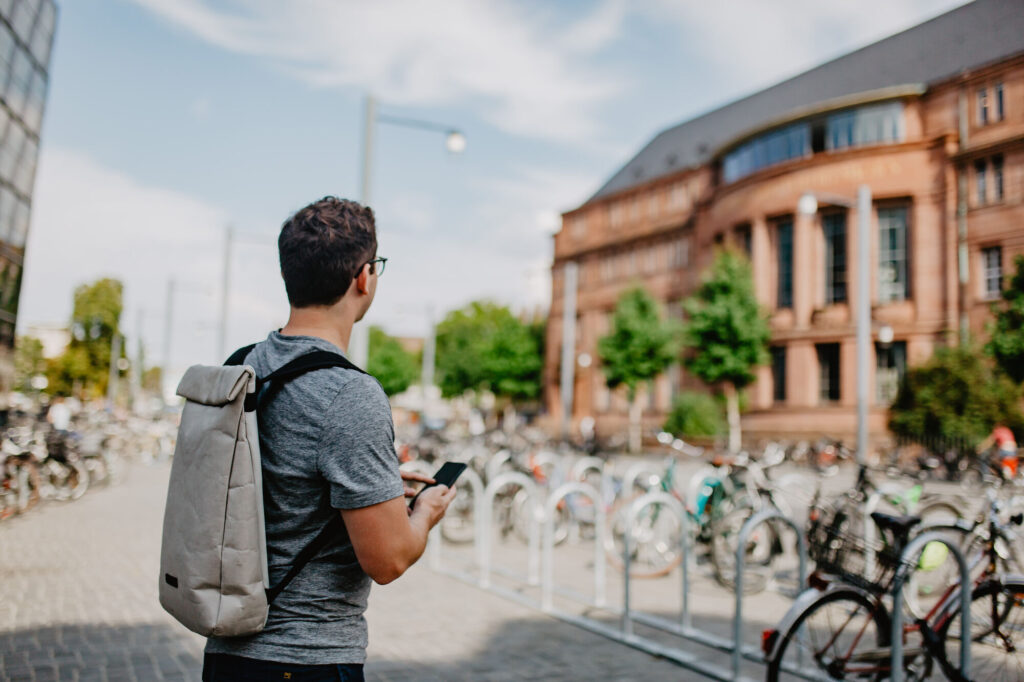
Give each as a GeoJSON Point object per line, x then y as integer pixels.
{"type": "Point", "coordinates": [78, 602]}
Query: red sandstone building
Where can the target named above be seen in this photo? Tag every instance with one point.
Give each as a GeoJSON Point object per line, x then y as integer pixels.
{"type": "Point", "coordinates": [931, 119]}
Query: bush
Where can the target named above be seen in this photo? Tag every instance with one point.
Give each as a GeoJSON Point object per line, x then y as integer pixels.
{"type": "Point", "coordinates": [695, 414]}
{"type": "Point", "coordinates": [957, 396]}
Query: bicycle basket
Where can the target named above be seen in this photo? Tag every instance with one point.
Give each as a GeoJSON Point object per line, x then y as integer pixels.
{"type": "Point", "coordinates": [837, 545]}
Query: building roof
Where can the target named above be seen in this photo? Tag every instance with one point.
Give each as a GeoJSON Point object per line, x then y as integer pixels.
{"type": "Point", "coordinates": [979, 33]}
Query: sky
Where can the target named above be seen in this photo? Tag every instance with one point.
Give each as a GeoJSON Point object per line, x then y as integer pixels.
{"type": "Point", "coordinates": [168, 121]}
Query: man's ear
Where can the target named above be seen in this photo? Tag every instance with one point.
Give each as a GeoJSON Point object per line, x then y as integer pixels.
{"type": "Point", "coordinates": [363, 280]}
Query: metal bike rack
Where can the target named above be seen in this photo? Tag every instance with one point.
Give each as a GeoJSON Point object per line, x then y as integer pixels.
{"type": "Point", "coordinates": [912, 550]}
{"type": "Point", "coordinates": [486, 514]}
{"type": "Point", "coordinates": [476, 489]}
{"type": "Point", "coordinates": [495, 463]}
{"type": "Point", "coordinates": [548, 574]}
{"type": "Point", "coordinates": [580, 467]}
{"type": "Point", "coordinates": [634, 472]}
{"type": "Point", "coordinates": [676, 507]}
{"type": "Point", "coordinates": [753, 522]}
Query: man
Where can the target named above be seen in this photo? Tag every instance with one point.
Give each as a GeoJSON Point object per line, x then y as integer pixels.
{"type": "Point", "coordinates": [327, 444]}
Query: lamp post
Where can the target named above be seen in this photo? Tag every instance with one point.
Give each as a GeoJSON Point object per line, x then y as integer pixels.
{"type": "Point", "coordinates": [808, 205]}
{"type": "Point", "coordinates": [455, 143]}
{"type": "Point", "coordinates": [173, 288]}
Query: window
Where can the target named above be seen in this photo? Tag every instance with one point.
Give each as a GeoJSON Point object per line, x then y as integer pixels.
{"type": "Point", "coordinates": [652, 206]}
{"type": "Point", "coordinates": [615, 215]}
{"type": "Point", "coordinates": [980, 182]}
{"type": "Point", "coordinates": [982, 107]}
{"type": "Point", "coordinates": [791, 142]}
{"type": "Point", "coordinates": [834, 226]}
{"type": "Point", "coordinates": [828, 363]}
{"type": "Point", "coordinates": [778, 373]}
{"type": "Point", "coordinates": [997, 178]}
{"type": "Point", "coordinates": [992, 271]}
{"type": "Point", "coordinates": [893, 276]}
{"type": "Point", "coordinates": [876, 124]}
{"type": "Point", "coordinates": [891, 361]}
{"type": "Point", "coordinates": [1000, 111]}
{"type": "Point", "coordinates": [608, 268]}
{"type": "Point", "coordinates": [743, 239]}
{"type": "Point", "coordinates": [784, 261]}
{"type": "Point", "coordinates": [677, 199]}
{"type": "Point", "coordinates": [577, 226]}
{"type": "Point", "coordinates": [680, 254]}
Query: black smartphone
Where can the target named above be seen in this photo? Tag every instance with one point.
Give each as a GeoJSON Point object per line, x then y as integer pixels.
{"type": "Point", "coordinates": [446, 475]}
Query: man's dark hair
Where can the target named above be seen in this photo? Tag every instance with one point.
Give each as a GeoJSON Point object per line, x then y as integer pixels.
{"type": "Point", "coordinates": [322, 247]}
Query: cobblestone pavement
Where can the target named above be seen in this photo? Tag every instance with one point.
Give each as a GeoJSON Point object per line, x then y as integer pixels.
{"type": "Point", "coordinates": [78, 602]}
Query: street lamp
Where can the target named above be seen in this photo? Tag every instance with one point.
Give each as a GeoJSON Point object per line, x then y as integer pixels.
{"type": "Point", "coordinates": [454, 142]}
{"type": "Point", "coordinates": [808, 205]}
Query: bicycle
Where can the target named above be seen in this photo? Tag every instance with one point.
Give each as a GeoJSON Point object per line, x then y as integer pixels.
{"type": "Point", "coordinates": [842, 624]}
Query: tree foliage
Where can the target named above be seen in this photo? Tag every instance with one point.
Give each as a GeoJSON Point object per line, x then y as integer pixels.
{"type": "Point", "coordinates": [640, 344]}
{"type": "Point", "coordinates": [1006, 334]}
{"type": "Point", "coordinates": [483, 346]}
{"type": "Point", "coordinates": [394, 367]}
{"type": "Point", "coordinates": [955, 395]}
{"type": "Point", "coordinates": [28, 361]}
{"type": "Point", "coordinates": [726, 330]}
{"type": "Point", "coordinates": [695, 415]}
{"type": "Point", "coordinates": [95, 319]}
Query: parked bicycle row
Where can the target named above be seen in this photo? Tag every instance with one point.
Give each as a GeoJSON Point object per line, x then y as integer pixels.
{"type": "Point", "coordinates": [856, 538]}
{"type": "Point", "coordinates": [56, 453]}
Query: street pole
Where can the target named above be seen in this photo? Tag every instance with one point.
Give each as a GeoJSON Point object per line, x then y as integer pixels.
{"type": "Point", "coordinates": [137, 365]}
{"type": "Point", "coordinates": [222, 323]}
{"type": "Point", "coordinates": [112, 377]}
{"type": "Point", "coordinates": [863, 319]}
{"type": "Point", "coordinates": [359, 342]}
{"type": "Point", "coordinates": [168, 321]}
{"type": "Point", "coordinates": [569, 283]}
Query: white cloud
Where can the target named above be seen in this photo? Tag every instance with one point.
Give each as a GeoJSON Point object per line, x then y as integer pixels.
{"type": "Point", "coordinates": [755, 43]}
{"type": "Point", "coordinates": [526, 71]}
{"type": "Point", "coordinates": [90, 222]}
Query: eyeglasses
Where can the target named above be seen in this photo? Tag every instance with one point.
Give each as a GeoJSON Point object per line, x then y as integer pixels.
{"type": "Point", "coordinates": [374, 268]}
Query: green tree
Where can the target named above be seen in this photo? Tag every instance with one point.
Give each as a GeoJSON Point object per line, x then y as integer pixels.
{"type": "Point", "coordinates": [727, 333]}
{"type": "Point", "coordinates": [639, 347]}
{"type": "Point", "coordinates": [95, 318]}
{"type": "Point", "coordinates": [483, 346]}
{"type": "Point", "coordinates": [28, 361]}
{"type": "Point", "coordinates": [695, 415]}
{"type": "Point", "coordinates": [956, 395]}
{"type": "Point", "coordinates": [1006, 333]}
{"type": "Point", "coordinates": [394, 367]}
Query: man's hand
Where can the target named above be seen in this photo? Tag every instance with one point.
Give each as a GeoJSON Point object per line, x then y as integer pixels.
{"type": "Point", "coordinates": [432, 504]}
{"type": "Point", "coordinates": [413, 476]}
{"type": "Point", "coordinates": [388, 539]}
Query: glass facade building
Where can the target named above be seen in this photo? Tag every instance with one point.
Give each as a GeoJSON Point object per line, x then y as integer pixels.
{"type": "Point", "coordinates": [26, 39]}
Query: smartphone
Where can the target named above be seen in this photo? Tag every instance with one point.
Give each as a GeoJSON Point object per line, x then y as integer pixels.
{"type": "Point", "coordinates": [446, 475]}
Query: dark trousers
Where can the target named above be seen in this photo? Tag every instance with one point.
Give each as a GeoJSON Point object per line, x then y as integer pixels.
{"type": "Point", "coordinates": [225, 668]}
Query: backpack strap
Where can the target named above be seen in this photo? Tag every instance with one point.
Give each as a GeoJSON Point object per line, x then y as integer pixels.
{"type": "Point", "coordinates": [239, 356]}
{"type": "Point", "coordinates": [329, 531]}
{"type": "Point", "coordinates": [318, 359]}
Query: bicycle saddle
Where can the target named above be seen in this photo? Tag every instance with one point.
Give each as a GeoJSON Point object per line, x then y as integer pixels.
{"type": "Point", "coordinates": [900, 525]}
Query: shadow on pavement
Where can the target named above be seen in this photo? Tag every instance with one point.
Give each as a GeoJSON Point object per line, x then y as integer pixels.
{"type": "Point", "coordinates": [100, 652]}
{"type": "Point", "coordinates": [546, 649]}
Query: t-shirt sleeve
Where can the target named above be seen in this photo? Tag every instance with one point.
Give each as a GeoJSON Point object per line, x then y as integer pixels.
{"type": "Point", "coordinates": [357, 447]}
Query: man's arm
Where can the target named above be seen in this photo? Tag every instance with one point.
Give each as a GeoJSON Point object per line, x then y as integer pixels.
{"type": "Point", "coordinates": [388, 539]}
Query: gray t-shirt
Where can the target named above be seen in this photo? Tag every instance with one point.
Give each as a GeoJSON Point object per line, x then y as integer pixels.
{"type": "Point", "coordinates": [327, 443]}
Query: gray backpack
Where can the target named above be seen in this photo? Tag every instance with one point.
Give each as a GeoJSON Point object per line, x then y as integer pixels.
{"type": "Point", "coordinates": [213, 560]}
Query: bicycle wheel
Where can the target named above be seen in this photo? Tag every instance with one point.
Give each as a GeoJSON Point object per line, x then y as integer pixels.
{"type": "Point", "coordinates": [997, 632]}
{"type": "Point", "coordinates": [763, 545]}
{"type": "Point", "coordinates": [654, 542]}
{"type": "Point", "coordinates": [839, 636]}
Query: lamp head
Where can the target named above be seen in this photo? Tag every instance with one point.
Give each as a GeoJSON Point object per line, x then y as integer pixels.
{"type": "Point", "coordinates": [455, 142]}
{"type": "Point", "coordinates": [807, 204]}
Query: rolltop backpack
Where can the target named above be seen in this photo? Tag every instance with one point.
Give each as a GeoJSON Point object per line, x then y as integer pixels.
{"type": "Point", "coordinates": [214, 577]}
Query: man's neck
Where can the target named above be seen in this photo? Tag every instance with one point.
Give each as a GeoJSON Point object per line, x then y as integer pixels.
{"type": "Point", "coordinates": [330, 324]}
